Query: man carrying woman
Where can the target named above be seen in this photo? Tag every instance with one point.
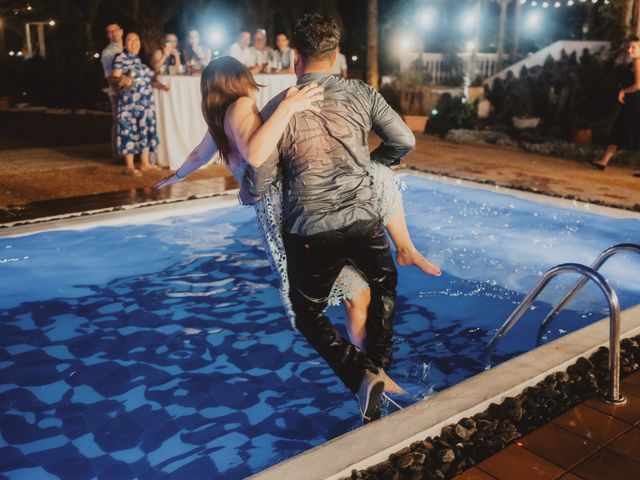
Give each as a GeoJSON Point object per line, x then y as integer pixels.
{"type": "Point", "coordinates": [347, 197]}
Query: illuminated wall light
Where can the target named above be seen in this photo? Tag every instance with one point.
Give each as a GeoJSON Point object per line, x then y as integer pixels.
{"type": "Point", "coordinates": [557, 4]}
{"type": "Point", "coordinates": [96, 55]}
{"type": "Point", "coordinates": [534, 4]}
{"type": "Point", "coordinates": [469, 20]}
{"type": "Point", "coordinates": [12, 53]}
{"type": "Point", "coordinates": [533, 21]}
{"type": "Point", "coordinates": [19, 54]}
{"type": "Point", "coordinates": [52, 23]}
{"type": "Point", "coordinates": [216, 36]}
{"type": "Point", "coordinates": [405, 44]}
{"type": "Point", "coordinates": [354, 58]}
{"type": "Point", "coordinates": [427, 19]}
{"type": "Point", "coordinates": [570, 3]}
{"type": "Point", "coordinates": [545, 5]}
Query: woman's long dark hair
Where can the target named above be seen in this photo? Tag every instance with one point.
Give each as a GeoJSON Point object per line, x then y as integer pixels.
{"type": "Point", "coordinates": [223, 81]}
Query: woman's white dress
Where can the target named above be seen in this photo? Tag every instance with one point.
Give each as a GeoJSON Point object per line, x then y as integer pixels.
{"type": "Point", "coordinates": [269, 212]}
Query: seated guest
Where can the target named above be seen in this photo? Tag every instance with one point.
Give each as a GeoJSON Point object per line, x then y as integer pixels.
{"type": "Point", "coordinates": [262, 53]}
{"type": "Point", "coordinates": [167, 56]}
{"type": "Point", "coordinates": [283, 56]}
{"type": "Point", "coordinates": [241, 51]}
{"type": "Point", "coordinates": [196, 56]}
{"type": "Point", "coordinates": [340, 65]}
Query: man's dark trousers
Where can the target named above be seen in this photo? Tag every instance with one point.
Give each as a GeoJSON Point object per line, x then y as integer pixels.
{"type": "Point", "coordinates": [313, 264]}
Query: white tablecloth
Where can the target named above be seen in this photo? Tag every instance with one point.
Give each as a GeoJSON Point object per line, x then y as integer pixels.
{"type": "Point", "coordinates": [179, 117]}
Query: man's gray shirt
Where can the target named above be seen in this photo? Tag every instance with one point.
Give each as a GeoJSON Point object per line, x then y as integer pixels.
{"type": "Point", "coordinates": [323, 158]}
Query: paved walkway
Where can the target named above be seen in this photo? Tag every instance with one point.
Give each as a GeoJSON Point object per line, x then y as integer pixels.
{"type": "Point", "coordinates": [76, 173]}
{"type": "Point", "coordinates": [527, 171]}
{"type": "Point", "coordinates": [593, 441]}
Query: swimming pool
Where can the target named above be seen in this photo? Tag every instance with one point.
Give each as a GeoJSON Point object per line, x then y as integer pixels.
{"type": "Point", "coordinates": [161, 349]}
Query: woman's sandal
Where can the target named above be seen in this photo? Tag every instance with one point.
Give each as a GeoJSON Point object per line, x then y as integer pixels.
{"type": "Point", "coordinates": [599, 166]}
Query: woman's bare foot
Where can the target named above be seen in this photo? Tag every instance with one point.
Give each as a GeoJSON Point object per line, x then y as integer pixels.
{"type": "Point", "coordinates": [390, 386]}
{"type": "Point", "coordinates": [413, 257]}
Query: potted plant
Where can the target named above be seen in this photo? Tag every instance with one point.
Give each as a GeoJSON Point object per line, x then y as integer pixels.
{"type": "Point", "coordinates": [519, 105]}
{"type": "Point", "coordinates": [416, 97]}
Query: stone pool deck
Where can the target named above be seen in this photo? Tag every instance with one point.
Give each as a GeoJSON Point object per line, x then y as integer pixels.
{"type": "Point", "coordinates": [46, 181]}
{"type": "Point", "coordinates": [593, 441]}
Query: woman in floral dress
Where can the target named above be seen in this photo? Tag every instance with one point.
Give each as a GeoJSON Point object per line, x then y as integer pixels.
{"type": "Point", "coordinates": [137, 133]}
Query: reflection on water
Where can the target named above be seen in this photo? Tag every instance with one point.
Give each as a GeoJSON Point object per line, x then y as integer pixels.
{"type": "Point", "coordinates": [147, 350]}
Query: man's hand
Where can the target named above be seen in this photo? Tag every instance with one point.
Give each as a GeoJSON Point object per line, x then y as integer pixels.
{"type": "Point", "coordinates": [621, 96]}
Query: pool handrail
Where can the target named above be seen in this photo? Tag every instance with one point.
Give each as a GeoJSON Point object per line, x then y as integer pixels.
{"type": "Point", "coordinates": [614, 396]}
{"type": "Point", "coordinates": [596, 265]}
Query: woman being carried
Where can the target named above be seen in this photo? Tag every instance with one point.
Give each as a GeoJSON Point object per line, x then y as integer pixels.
{"type": "Point", "coordinates": [237, 132]}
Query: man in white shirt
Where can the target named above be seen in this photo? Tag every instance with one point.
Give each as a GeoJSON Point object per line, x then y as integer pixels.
{"type": "Point", "coordinates": [340, 66]}
{"type": "Point", "coordinates": [114, 33]}
{"type": "Point", "coordinates": [241, 51]}
{"type": "Point", "coordinates": [262, 53]}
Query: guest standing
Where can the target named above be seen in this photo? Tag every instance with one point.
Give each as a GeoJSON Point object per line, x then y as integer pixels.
{"type": "Point", "coordinates": [136, 107]}
{"type": "Point", "coordinates": [283, 59]}
{"type": "Point", "coordinates": [114, 33]}
{"type": "Point", "coordinates": [626, 129]}
{"type": "Point", "coordinates": [241, 51]}
{"type": "Point", "coordinates": [196, 56]}
{"type": "Point", "coordinates": [167, 56]}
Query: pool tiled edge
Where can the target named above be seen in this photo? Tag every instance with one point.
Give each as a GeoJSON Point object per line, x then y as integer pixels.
{"type": "Point", "coordinates": [373, 443]}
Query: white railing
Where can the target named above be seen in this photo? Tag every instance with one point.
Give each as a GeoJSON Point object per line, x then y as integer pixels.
{"type": "Point", "coordinates": [486, 64]}
{"type": "Point", "coordinates": [554, 50]}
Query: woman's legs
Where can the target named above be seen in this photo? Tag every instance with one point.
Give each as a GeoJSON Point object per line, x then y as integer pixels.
{"type": "Point", "coordinates": [128, 158]}
{"type": "Point", "coordinates": [406, 252]}
{"type": "Point", "coordinates": [608, 153]}
{"type": "Point", "coordinates": [356, 329]}
{"type": "Point", "coordinates": [357, 317]}
{"type": "Point", "coordinates": [144, 160]}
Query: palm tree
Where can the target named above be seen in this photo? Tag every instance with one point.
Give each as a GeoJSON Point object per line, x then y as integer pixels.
{"type": "Point", "coordinates": [372, 44]}
{"type": "Point", "coordinates": [501, 32]}
{"type": "Point", "coordinates": [626, 13]}
{"type": "Point", "coordinates": [517, 23]}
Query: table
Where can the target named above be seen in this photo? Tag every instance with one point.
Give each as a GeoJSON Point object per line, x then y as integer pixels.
{"type": "Point", "coordinates": [180, 124]}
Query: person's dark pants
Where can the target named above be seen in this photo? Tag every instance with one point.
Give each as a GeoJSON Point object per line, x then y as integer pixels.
{"type": "Point", "coordinates": [313, 264]}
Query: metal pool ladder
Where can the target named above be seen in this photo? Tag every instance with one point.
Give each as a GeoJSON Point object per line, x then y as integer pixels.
{"type": "Point", "coordinates": [587, 273]}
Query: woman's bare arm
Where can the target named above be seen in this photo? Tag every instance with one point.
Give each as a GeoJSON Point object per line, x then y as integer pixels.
{"type": "Point", "coordinates": [257, 141]}
{"type": "Point", "coordinates": [199, 156]}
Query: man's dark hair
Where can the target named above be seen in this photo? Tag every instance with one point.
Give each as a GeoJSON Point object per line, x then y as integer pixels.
{"type": "Point", "coordinates": [634, 38]}
{"type": "Point", "coordinates": [316, 37]}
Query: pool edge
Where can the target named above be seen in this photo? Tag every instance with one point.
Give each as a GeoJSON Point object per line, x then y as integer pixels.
{"type": "Point", "coordinates": [374, 442]}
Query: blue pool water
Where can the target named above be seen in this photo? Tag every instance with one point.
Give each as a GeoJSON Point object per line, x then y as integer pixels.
{"type": "Point", "coordinates": [161, 350]}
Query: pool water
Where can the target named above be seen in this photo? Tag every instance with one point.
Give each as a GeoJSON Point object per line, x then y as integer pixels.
{"type": "Point", "coordinates": [161, 350]}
